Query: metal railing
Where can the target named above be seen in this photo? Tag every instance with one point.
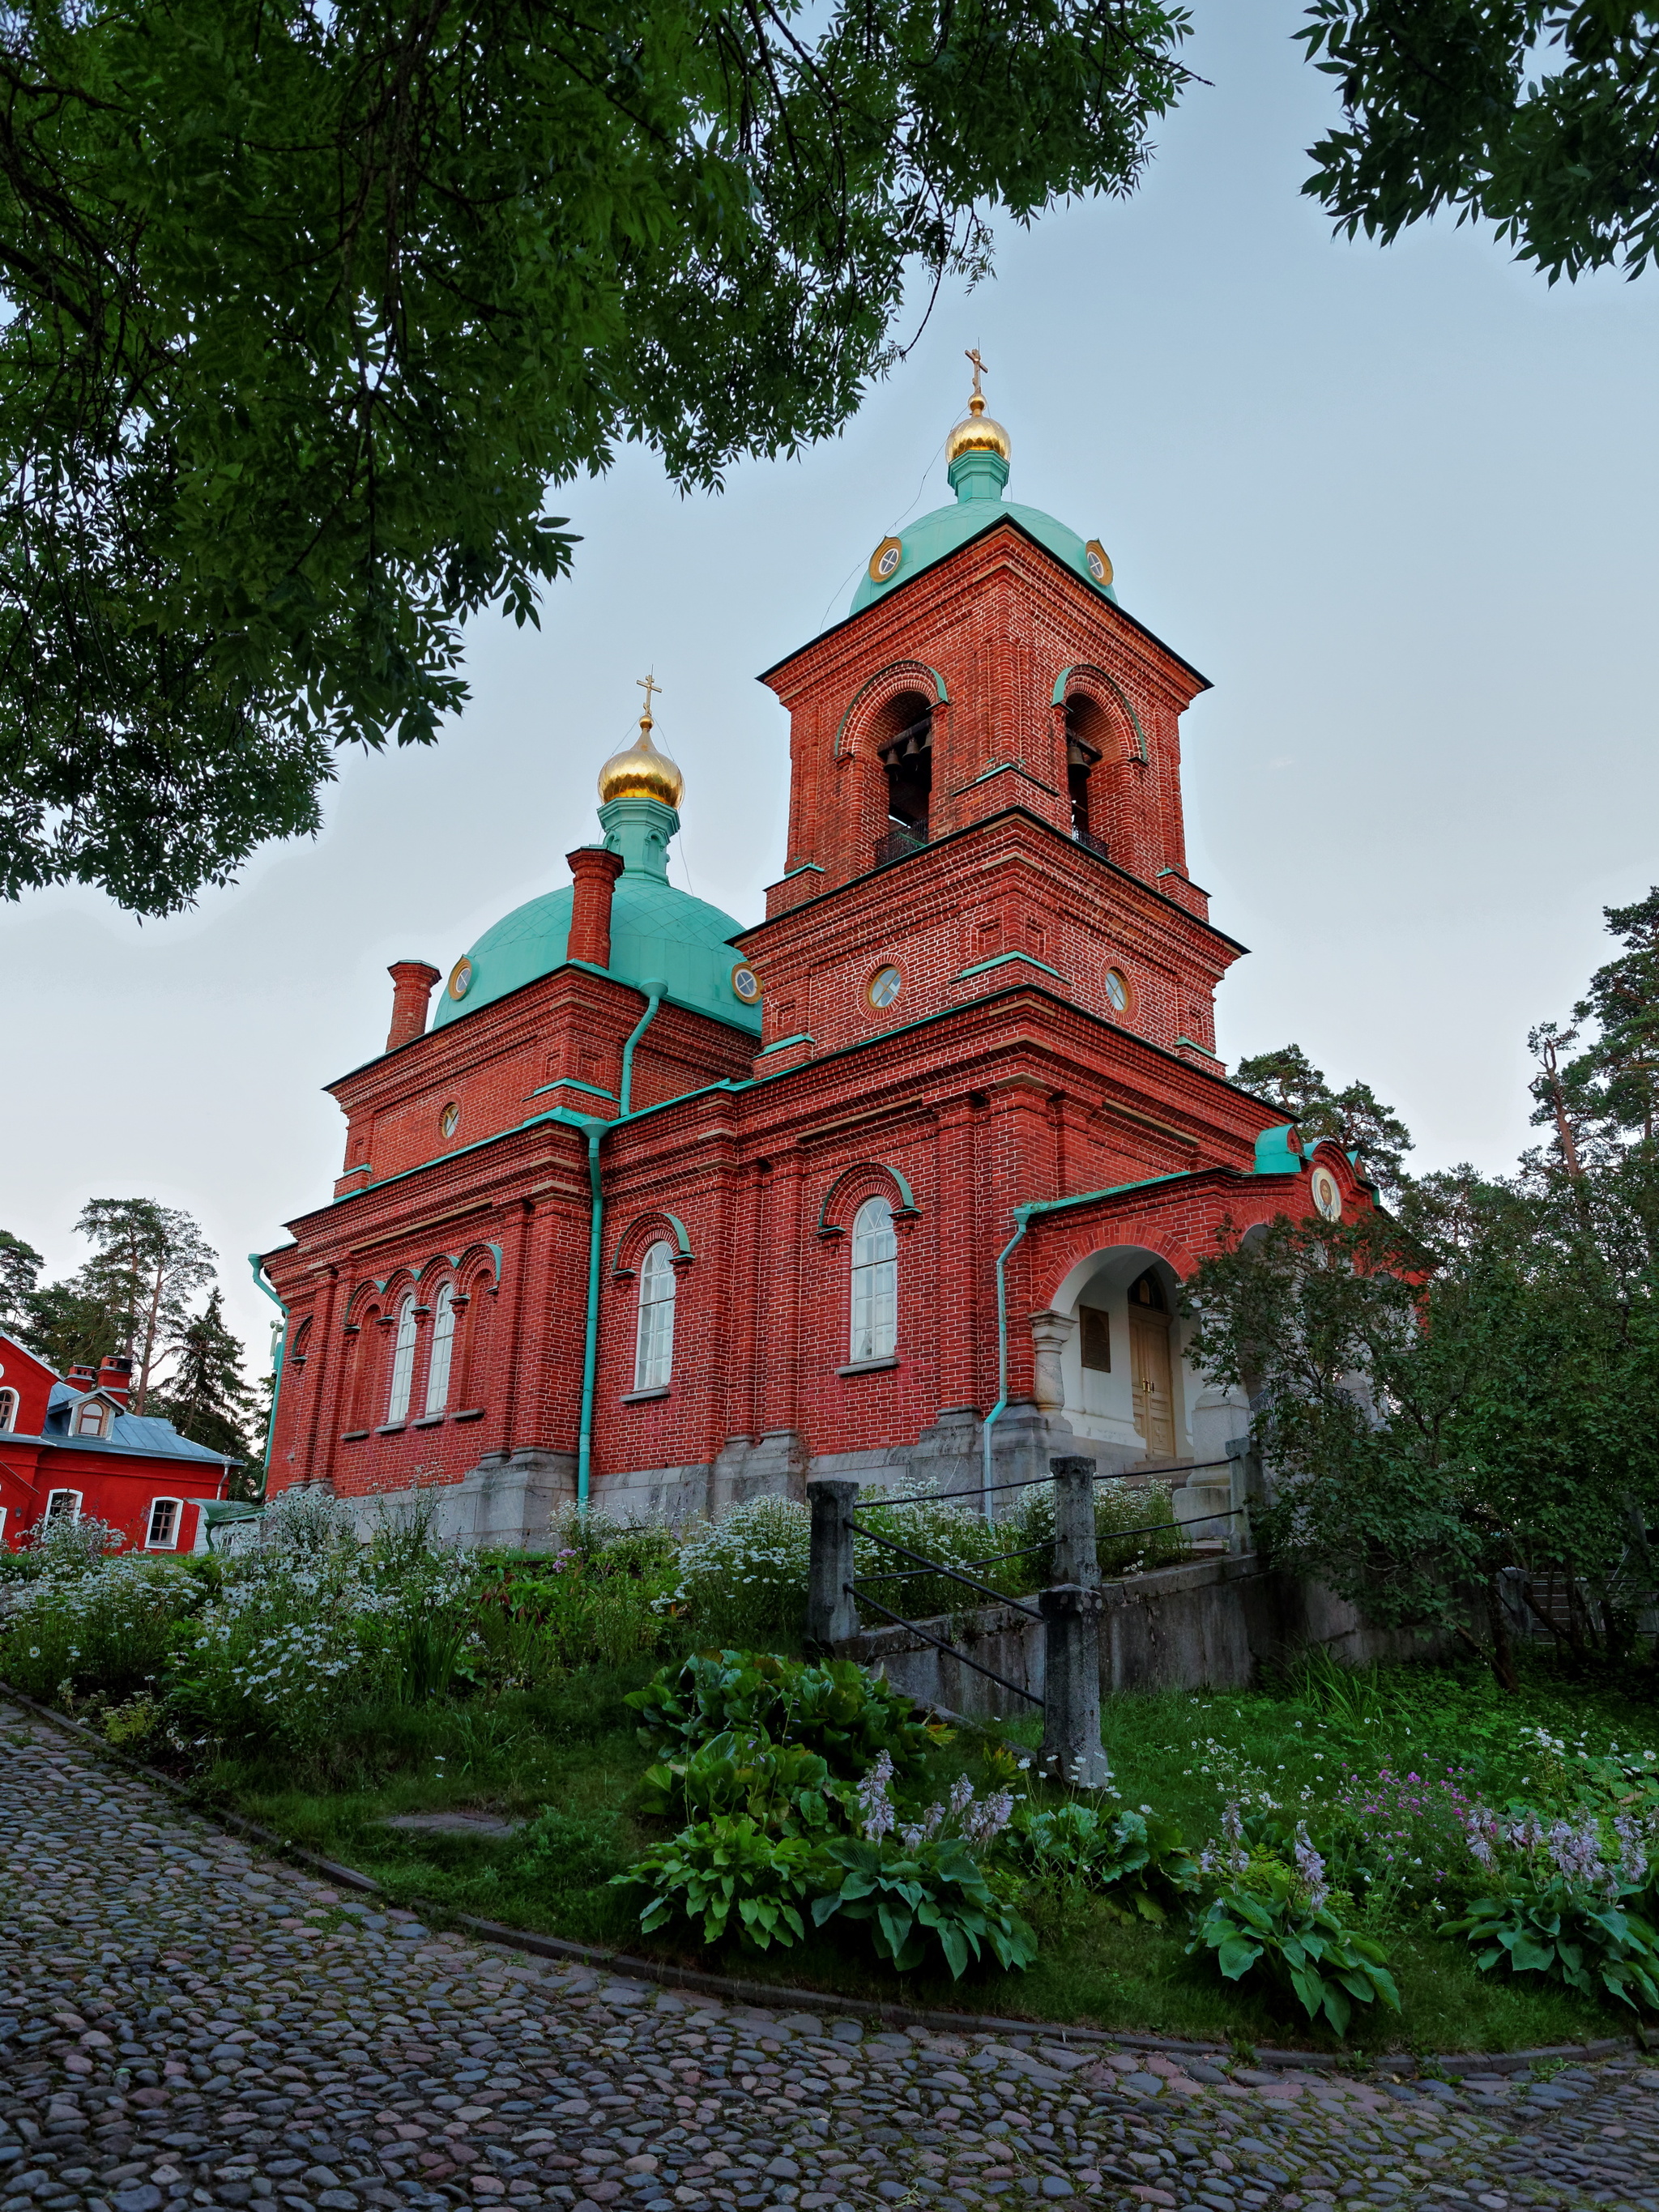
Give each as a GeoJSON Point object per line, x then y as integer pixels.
{"type": "Point", "coordinates": [899, 843]}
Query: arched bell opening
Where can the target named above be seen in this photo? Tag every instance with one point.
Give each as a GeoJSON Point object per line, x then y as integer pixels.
{"type": "Point", "coordinates": [903, 741]}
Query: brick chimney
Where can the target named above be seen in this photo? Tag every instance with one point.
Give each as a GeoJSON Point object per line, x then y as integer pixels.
{"type": "Point", "coordinates": [412, 982]}
{"type": "Point", "coordinates": [595, 870]}
{"type": "Point", "coordinates": [82, 1378]}
{"type": "Point", "coordinates": [115, 1375]}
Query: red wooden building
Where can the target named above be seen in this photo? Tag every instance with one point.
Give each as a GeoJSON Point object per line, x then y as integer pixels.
{"type": "Point", "coordinates": [72, 1449]}
{"type": "Point", "coordinates": [662, 1211]}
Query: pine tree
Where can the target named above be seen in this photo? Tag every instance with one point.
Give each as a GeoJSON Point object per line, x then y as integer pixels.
{"type": "Point", "coordinates": [1355, 1118]}
{"type": "Point", "coordinates": [207, 1397]}
{"type": "Point", "coordinates": [150, 1261]}
{"type": "Point", "coordinates": [19, 1270]}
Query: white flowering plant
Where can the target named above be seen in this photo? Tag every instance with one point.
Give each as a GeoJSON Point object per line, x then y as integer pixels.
{"type": "Point", "coordinates": [742, 1580]}
{"type": "Point", "coordinates": [108, 1628]}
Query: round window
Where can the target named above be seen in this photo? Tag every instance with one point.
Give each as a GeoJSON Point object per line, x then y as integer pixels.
{"type": "Point", "coordinates": [1326, 1195]}
{"type": "Point", "coordinates": [1099, 561]}
{"type": "Point", "coordinates": [884, 561]}
{"type": "Point", "coordinates": [746, 984]}
{"type": "Point", "coordinates": [450, 1120]}
{"type": "Point", "coordinates": [883, 986]}
{"type": "Point", "coordinates": [460, 978]}
{"type": "Point", "coordinates": [1117, 991]}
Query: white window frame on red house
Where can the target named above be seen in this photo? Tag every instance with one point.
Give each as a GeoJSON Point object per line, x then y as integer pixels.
{"type": "Point", "coordinates": [99, 1426]}
{"type": "Point", "coordinates": [169, 1543]}
{"type": "Point", "coordinates": [9, 1405]}
{"type": "Point", "coordinates": [56, 1512]}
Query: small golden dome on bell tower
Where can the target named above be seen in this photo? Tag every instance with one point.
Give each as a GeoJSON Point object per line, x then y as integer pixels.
{"type": "Point", "coordinates": [642, 772]}
{"type": "Point", "coordinates": [978, 432]}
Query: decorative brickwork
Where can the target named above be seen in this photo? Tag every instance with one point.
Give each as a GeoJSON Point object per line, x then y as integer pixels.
{"type": "Point", "coordinates": [988, 985]}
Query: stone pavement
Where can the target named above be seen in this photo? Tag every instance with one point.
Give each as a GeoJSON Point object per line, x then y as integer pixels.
{"type": "Point", "coordinates": [184, 2024]}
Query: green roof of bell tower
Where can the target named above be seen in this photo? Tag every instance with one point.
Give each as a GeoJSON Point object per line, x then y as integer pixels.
{"type": "Point", "coordinates": [978, 475]}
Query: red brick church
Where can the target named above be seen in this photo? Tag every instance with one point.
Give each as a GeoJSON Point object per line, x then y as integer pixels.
{"type": "Point", "coordinates": [660, 1210]}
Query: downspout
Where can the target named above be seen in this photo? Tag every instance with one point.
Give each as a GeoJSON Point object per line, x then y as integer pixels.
{"type": "Point", "coordinates": [257, 1263]}
{"type": "Point", "coordinates": [654, 988]}
{"type": "Point", "coordinates": [1022, 1219]}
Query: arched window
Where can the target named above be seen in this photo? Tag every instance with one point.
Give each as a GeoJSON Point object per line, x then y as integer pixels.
{"type": "Point", "coordinates": [443, 1347]}
{"type": "Point", "coordinates": [91, 1420]}
{"type": "Point", "coordinates": [653, 1346]}
{"type": "Point", "coordinates": [403, 1364]}
{"type": "Point", "coordinates": [7, 1409]}
{"type": "Point", "coordinates": [875, 1281]}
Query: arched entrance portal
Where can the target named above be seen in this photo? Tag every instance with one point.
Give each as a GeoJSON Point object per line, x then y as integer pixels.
{"type": "Point", "coordinates": [1151, 1373]}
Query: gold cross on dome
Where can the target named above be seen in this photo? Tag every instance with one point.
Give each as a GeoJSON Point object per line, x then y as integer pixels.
{"type": "Point", "coordinates": [648, 685]}
{"type": "Point", "coordinates": [979, 369]}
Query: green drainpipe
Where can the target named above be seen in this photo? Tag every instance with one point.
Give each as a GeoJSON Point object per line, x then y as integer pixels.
{"type": "Point", "coordinates": [654, 988]}
{"type": "Point", "coordinates": [1022, 1219]}
{"type": "Point", "coordinates": [256, 1262]}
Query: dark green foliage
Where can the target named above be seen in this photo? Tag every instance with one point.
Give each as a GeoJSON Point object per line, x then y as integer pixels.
{"type": "Point", "coordinates": [1540, 116]}
{"type": "Point", "coordinates": [783, 1786]}
{"type": "Point", "coordinates": [831, 1707]}
{"type": "Point", "coordinates": [1354, 1118]}
{"type": "Point", "coordinates": [206, 1397]}
{"type": "Point", "coordinates": [19, 1270]}
{"type": "Point", "coordinates": [1275, 1926]}
{"type": "Point", "coordinates": [1555, 1929]}
{"type": "Point", "coordinates": [1136, 1860]}
{"type": "Point", "coordinates": [913, 1898]}
{"type": "Point", "coordinates": [308, 306]}
{"type": "Point", "coordinates": [1599, 1099]}
{"type": "Point", "coordinates": [729, 1876]}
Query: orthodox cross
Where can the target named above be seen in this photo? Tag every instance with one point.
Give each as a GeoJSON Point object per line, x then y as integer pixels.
{"type": "Point", "coordinates": [979, 369]}
{"type": "Point", "coordinates": [648, 685]}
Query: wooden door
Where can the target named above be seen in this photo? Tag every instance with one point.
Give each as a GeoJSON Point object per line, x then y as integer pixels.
{"type": "Point", "coordinates": [1149, 1375]}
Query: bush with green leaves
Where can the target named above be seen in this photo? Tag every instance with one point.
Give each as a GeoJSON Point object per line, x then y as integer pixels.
{"type": "Point", "coordinates": [742, 1580]}
{"type": "Point", "coordinates": [1277, 1927]}
{"type": "Point", "coordinates": [1560, 1893]}
{"type": "Point", "coordinates": [597, 1595]}
{"type": "Point", "coordinates": [933, 1895]}
{"type": "Point", "coordinates": [1135, 1531]}
{"type": "Point", "coordinates": [784, 1787]}
{"type": "Point", "coordinates": [833, 1707]}
{"type": "Point", "coordinates": [107, 1627]}
{"type": "Point", "coordinates": [728, 1875]}
{"type": "Point", "coordinates": [1135, 1859]}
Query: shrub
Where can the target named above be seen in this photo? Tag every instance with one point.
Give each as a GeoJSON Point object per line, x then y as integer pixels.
{"type": "Point", "coordinates": [1287, 1930]}
{"type": "Point", "coordinates": [782, 1786]}
{"type": "Point", "coordinates": [577, 1853]}
{"type": "Point", "coordinates": [832, 1707]}
{"type": "Point", "coordinates": [950, 1530]}
{"type": "Point", "coordinates": [911, 1897]}
{"type": "Point", "coordinates": [1136, 1859]}
{"type": "Point", "coordinates": [742, 1581]}
{"type": "Point", "coordinates": [727, 1874]}
{"type": "Point", "coordinates": [598, 1597]}
{"type": "Point", "coordinates": [1592, 1944]}
{"type": "Point", "coordinates": [1135, 1530]}
{"type": "Point", "coordinates": [107, 1628]}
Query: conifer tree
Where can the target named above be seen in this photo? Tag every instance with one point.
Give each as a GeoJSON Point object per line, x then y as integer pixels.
{"type": "Point", "coordinates": [207, 1397]}
{"type": "Point", "coordinates": [150, 1261]}
{"type": "Point", "coordinates": [19, 1271]}
{"type": "Point", "coordinates": [1354, 1118]}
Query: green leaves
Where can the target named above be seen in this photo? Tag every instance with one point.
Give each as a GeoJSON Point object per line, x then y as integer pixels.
{"type": "Point", "coordinates": [1137, 1860]}
{"type": "Point", "coordinates": [308, 307]}
{"type": "Point", "coordinates": [1535, 116]}
{"type": "Point", "coordinates": [728, 1875]}
{"type": "Point", "coordinates": [1303, 1946]}
{"type": "Point", "coordinates": [1558, 1929]}
{"type": "Point", "coordinates": [912, 1900]}
{"type": "Point", "coordinates": [833, 1708]}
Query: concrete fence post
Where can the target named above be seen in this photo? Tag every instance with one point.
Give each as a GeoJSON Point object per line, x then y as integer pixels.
{"type": "Point", "coordinates": [1075, 1558]}
{"type": "Point", "coordinates": [1247, 1489]}
{"type": "Point", "coordinates": [830, 1613]}
{"type": "Point", "coordinates": [1072, 1749]}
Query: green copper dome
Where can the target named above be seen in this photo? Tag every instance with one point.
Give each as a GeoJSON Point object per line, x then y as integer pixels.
{"type": "Point", "coordinates": [656, 932]}
{"type": "Point", "coordinates": [978, 479]}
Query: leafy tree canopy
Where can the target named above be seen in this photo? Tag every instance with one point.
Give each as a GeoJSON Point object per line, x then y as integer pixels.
{"type": "Point", "coordinates": [1598, 1100]}
{"type": "Point", "coordinates": [1354, 1118]}
{"type": "Point", "coordinates": [1539, 117]}
{"type": "Point", "coordinates": [307, 303]}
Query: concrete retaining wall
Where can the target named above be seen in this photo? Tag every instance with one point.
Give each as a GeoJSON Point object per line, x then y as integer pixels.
{"type": "Point", "coordinates": [1211, 1624]}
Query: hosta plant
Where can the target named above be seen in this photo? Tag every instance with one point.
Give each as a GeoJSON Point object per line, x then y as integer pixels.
{"type": "Point", "coordinates": [916, 1894]}
{"type": "Point", "coordinates": [782, 1786]}
{"type": "Point", "coordinates": [727, 1876]}
{"type": "Point", "coordinates": [833, 1707]}
{"type": "Point", "coordinates": [1136, 1860]}
{"type": "Point", "coordinates": [1561, 1930]}
{"type": "Point", "coordinates": [1278, 1926]}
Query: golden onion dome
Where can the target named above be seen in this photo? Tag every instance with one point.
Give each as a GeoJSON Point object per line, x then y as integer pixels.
{"type": "Point", "coordinates": [979, 432]}
{"type": "Point", "coordinates": [642, 772]}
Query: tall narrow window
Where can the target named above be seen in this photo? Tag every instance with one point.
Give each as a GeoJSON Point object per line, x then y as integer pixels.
{"type": "Point", "coordinates": [653, 1347]}
{"type": "Point", "coordinates": [443, 1348]}
{"type": "Point", "coordinates": [7, 1409]}
{"type": "Point", "coordinates": [163, 1531]}
{"type": "Point", "coordinates": [875, 1281]}
{"type": "Point", "coordinates": [403, 1364]}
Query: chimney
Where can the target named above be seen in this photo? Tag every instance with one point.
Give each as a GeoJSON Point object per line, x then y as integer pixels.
{"type": "Point", "coordinates": [82, 1378]}
{"type": "Point", "coordinates": [412, 982]}
{"type": "Point", "coordinates": [595, 870]}
{"type": "Point", "coordinates": [115, 1375]}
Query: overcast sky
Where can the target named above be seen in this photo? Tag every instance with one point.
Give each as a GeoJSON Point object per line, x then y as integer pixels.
{"type": "Point", "coordinates": [1398, 505]}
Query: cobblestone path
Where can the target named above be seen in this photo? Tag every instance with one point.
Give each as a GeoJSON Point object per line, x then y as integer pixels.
{"type": "Point", "coordinates": [184, 2024]}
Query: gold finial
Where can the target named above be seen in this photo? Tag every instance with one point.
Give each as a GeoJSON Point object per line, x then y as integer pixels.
{"type": "Point", "coordinates": [642, 772]}
{"type": "Point", "coordinates": [979, 434]}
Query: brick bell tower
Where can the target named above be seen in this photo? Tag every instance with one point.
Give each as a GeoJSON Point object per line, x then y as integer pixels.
{"type": "Point", "coordinates": [985, 781]}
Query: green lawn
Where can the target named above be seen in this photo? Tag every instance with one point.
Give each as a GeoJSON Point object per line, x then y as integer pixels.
{"type": "Point", "coordinates": [568, 1760]}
